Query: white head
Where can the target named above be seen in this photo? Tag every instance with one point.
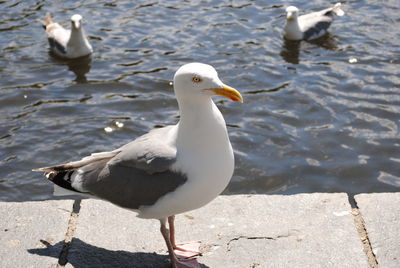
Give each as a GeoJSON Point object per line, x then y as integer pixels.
{"type": "Point", "coordinates": [201, 81]}
{"type": "Point", "coordinates": [292, 13]}
{"type": "Point", "coordinates": [76, 21]}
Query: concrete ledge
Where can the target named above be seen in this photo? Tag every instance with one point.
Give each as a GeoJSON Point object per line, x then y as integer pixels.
{"type": "Point", "coordinates": [305, 230]}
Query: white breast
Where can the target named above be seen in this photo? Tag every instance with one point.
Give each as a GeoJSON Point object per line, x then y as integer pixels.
{"type": "Point", "coordinates": [208, 163]}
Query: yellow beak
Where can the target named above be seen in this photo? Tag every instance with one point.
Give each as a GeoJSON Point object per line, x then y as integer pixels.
{"type": "Point", "coordinates": [228, 92]}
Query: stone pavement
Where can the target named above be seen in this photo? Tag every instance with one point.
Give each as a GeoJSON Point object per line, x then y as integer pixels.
{"type": "Point", "coordinates": [304, 230]}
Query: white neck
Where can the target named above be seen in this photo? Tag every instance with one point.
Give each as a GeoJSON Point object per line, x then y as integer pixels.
{"type": "Point", "coordinates": [201, 125]}
{"type": "Point", "coordinates": [292, 30]}
{"type": "Point", "coordinates": [78, 45]}
{"type": "Point", "coordinates": [77, 35]}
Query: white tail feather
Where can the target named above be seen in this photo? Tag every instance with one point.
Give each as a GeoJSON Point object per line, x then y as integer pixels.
{"type": "Point", "coordinates": [80, 163]}
{"type": "Point", "coordinates": [338, 10]}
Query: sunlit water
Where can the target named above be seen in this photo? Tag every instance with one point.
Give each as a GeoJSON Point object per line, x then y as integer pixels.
{"type": "Point", "coordinates": [317, 117]}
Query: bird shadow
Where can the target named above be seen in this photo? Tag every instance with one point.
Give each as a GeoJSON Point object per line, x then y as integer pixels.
{"type": "Point", "coordinates": [290, 51]}
{"type": "Point", "coordinates": [80, 254]}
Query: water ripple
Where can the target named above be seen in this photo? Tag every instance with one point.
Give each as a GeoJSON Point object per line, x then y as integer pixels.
{"type": "Point", "coordinates": [318, 116]}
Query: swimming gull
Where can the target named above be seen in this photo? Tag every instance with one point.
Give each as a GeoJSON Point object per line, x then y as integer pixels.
{"type": "Point", "coordinates": [169, 170]}
{"type": "Point", "coordinates": [309, 26]}
{"type": "Point", "coordinates": [65, 43]}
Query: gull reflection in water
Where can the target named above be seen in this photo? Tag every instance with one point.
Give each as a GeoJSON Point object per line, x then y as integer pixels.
{"type": "Point", "coordinates": [80, 67]}
{"type": "Point", "coordinates": [290, 51]}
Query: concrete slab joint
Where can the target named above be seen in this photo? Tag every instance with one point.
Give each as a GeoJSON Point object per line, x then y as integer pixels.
{"type": "Point", "coordinates": [380, 214]}
{"type": "Point", "coordinates": [72, 224]}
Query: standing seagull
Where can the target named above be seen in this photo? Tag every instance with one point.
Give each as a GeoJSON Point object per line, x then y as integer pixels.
{"type": "Point", "coordinates": [169, 170]}
{"type": "Point", "coordinates": [309, 26]}
{"type": "Point", "coordinates": [64, 43]}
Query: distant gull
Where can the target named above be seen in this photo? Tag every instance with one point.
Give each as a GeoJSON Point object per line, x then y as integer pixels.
{"type": "Point", "coordinates": [309, 26]}
{"type": "Point", "coordinates": [64, 43]}
{"type": "Point", "coordinates": [169, 170]}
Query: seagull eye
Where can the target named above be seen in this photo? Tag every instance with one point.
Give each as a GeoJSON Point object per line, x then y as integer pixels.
{"type": "Point", "coordinates": [196, 79]}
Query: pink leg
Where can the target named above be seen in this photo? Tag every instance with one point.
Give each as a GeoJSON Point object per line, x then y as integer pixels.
{"type": "Point", "coordinates": [185, 250]}
{"type": "Point", "coordinates": [175, 262]}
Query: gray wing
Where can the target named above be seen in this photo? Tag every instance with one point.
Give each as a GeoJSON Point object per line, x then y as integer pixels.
{"type": "Point", "coordinates": [134, 175]}
{"type": "Point", "coordinates": [139, 175]}
{"type": "Point", "coordinates": [318, 14]}
{"type": "Point", "coordinates": [314, 25]}
{"type": "Point", "coordinates": [317, 30]}
{"type": "Point", "coordinates": [57, 46]}
{"type": "Point", "coordinates": [58, 37]}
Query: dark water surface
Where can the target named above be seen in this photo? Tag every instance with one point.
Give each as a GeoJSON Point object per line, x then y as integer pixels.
{"type": "Point", "coordinates": [317, 117]}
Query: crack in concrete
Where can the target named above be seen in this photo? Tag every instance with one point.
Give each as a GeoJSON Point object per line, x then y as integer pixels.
{"type": "Point", "coordinates": [228, 244]}
{"type": "Point", "coordinates": [72, 223]}
{"type": "Point", "coordinates": [362, 231]}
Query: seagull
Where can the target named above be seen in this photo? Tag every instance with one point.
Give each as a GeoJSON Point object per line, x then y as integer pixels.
{"type": "Point", "coordinates": [64, 43]}
{"type": "Point", "coordinates": [169, 170]}
{"type": "Point", "coordinates": [309, 26]}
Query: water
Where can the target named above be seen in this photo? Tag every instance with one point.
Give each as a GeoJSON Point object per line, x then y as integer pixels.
{"type": "Point", "coordinates": [317, 117]}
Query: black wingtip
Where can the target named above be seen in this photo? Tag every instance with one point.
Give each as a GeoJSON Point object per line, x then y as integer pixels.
{"type": "Point", "coordinates": [62, 179]}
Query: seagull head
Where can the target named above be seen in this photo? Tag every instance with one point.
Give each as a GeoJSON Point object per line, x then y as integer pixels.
{"type": "Point", "coordinates": [201, 81]}
{"type": "Point", "coordinates": [76, 21]}
{"type": "Point", "coordinates": [291, 13]}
